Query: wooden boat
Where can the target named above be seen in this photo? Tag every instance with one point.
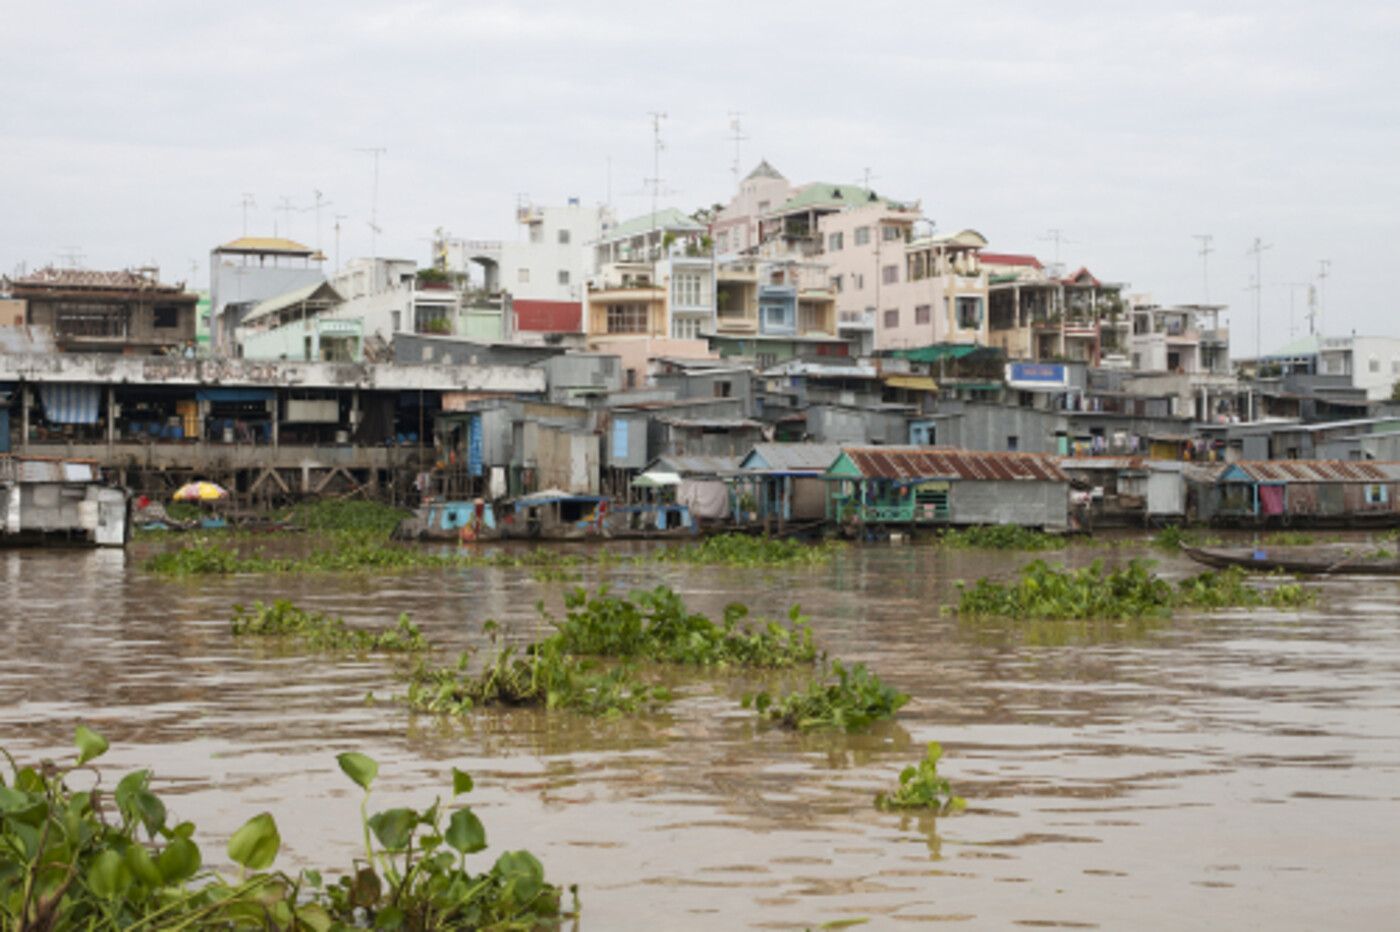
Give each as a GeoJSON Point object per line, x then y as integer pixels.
{"type": "Point", "coordinates": [547, 515]}
{"type": "Point", "coordinates": [1362, 559]}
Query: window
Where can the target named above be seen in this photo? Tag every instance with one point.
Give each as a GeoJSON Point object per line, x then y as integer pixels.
{"type": "Point", "coordinates": [627, 318]}
{"type": "Point", "coordinates": [969, 312]}
{"type": "Point", "coordinates": [891, 233]}
{"type": "Point", "coordinates": [862, 236]}
{"type": "Point", "coordinates": [767, 360]}
{"type": "Point", "coordinates": [396, 317]}
{"type": "Point", "coordinates": [890, 275]}
{"type": "Point", "coordinates": [1375, 364]}
{"type": "Point", "coordinates": [168, 317]}
{"type": "Point", "coordinates": [891, 319]}
{"type": "Point", "coordinates": [836, 283]}
{"type": "Point", "coordinates": [722, 241]}
{"type": "Point", "coordinates": [1012, 442]}
{"type": "Point", "coordinates": [685, 289]}
{"type": "Point", "coordinates": [631, 378]}
{"type": "Point", "coordinates": [1395, 367]}
{"type": "Point", "coordinates": [536, 233]}
{"type": "Point", "coordinates": [835, 242]}
{"type": "Point", "coordinates": [923, 314]}
{"type": "Point", "coordinates": [723, 389]}
{"type": "Point", "coordinates": [563, 276]}
{"type": "Point", "coordinates": [763, 206]}
{"type": "Point", "coordinates": [686, 328]}
{"type": "Point", "coordinates": [860, 281]}
{"type": "Point", "coordinates": [524, 276]}
{"type": "Point", "coordinates": [563, 237]}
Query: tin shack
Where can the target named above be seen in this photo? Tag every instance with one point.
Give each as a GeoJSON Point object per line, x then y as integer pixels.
{"type": "Point", "coordinates": [48, 500]}
{"type": "Point", "coordinates": [922, 486]}
{"type": "Point", "coordinates": [786, 479]}
{"type": "Point", "coordinates": [1305, 493]}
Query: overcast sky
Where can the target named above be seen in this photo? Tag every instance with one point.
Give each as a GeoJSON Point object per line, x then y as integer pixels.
{"type": "Point", "coordinates": [131, 131]}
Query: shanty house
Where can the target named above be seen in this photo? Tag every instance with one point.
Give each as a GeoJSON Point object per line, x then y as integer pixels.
{"type": "Point", "coordinates": [44, 498]}
{"type": "Point", "coordinates": [1306, 492]}
{"type": "Point", "coordinates": [787, 479]}
{"type": "Point", "coordinates": [913, 485]}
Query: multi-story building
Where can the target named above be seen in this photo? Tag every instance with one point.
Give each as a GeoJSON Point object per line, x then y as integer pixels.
{"type": "Point", "coordinates": [394, 296]}
{"type": "Point", "coordinates": [248, 271]}
{"type": "Point", "coordinates": [772, 310]}
{"type": "Point", "coordinates": [108, 312]}
{"type": "Point", "coordinates": [937, 295]}
{"type": "Point", "coordinates": [1038, 317]}
{"type": "Point", "coordinates": [543, 278]}
{"type": "Point", "coordinates": [652, 292]}
{"type": "Point", "coordinates": [1371, 363]}
{"type": "Point", "coordinates": [1183, 339]}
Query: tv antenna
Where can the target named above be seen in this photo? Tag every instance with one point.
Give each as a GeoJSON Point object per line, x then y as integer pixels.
{"type": "Point", "coordinates": [1204, 253]}
{"type": "Point", "coordinates": [1257, 251]}
{"type": "Point", "coordinates": [1292, 294]}
{"type": "Point", "coordinates": [72, 257]}
{"type": "Point", "coordinates": [1056, 236]}
{"type": "Point", "coordinates": [245, 202]}
{"type": "Point", "coordinates": [375, 151]}
{"type": "Point", "coordinates": [320, 203]}
{"type": "Point", "coordinates": [1324, 268]}
{"type": "Point", "coordinates": [736, 129]}
{"type": "Point", "coordinates": [285, 207]}
{"type": "Point", "coordinates": [338, 218]}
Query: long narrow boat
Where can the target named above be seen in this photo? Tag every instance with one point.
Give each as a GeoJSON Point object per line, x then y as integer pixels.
{"type": "Point", "coordinates": [1362, 560]}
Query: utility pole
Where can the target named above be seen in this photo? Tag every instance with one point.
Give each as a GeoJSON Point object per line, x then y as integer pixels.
{"type": "Point", "coordinates": [1204, 253]}
{"type": "Point", "coordinates": [738, 137]}
{"type": "Point", "coordinates": [245, 202]}
{"type": "Point", "coordinates": [1257, 251]}
{"type": "Point", "coordinates": [375, 151]}
{"type": "Point", "coordinates": [1324, 267]}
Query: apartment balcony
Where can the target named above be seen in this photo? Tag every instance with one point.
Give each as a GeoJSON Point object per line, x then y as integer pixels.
{"type": "Point", "coordinates": [1183, 335]}
{"type": "Point", "coordinates": [1217, 337]}
{"type": "Point", "coordinates": [856, 320]}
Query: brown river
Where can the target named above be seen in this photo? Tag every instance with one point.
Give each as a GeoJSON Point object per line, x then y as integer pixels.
{"type": "Point", "coordinates": [1231, 770]}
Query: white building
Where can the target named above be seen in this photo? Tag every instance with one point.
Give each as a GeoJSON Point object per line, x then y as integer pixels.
{"type": "Point", "coordinates": [394, 296]}
{"type": "Point", "coordinates": [544, 275]}
{"type": "Point", "coordinates": [1372, 363]}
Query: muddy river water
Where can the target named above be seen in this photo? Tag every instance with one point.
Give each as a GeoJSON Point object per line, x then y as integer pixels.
{"type": "Point", "coordinates": [1233, 770]}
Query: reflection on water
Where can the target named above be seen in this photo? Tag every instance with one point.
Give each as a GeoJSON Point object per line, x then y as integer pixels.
{"type": "Point", "coordinates": [1232, 769]}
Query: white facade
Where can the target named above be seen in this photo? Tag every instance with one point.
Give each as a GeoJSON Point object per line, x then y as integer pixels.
{"type": "Point", "coordinates": [1372, 363]}
{"type": "Point", "coordinates": [551, 262]}
{"type": "Point", "coordinates": [386, 295]}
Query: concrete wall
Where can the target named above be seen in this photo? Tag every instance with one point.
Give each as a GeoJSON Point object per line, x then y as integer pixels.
{"type": "Point", "coordinates": [855, 426]}
{"type": "Point", "coordinates": [422, 348]}
{"type": "Point", "coordinates": [1030, 504]}
{"type": "Point", "coordinates": [990, 427]}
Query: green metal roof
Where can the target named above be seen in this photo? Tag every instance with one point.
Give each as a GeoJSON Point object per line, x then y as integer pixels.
{"type": "Point", "coordinates": [821, 194]}
{"type": "Point", "coordinates": [668, 218]}
{"type": "Point", "coordinates": [936, 352]}
{"type": "Point", "coordinates": [1303, 346]}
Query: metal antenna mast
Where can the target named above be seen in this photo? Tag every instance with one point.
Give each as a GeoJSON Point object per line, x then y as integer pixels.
{"type": "Point", "coordinates": [1257, 251]}
{"type": "Point", "coordinates": [245, 202]}
{"type": "Point", "coordinates": [338, 218]}
{"type": "Point", "coordinates": [655, 179]}
{"type": "Point", "coordinates": [375, 151]}
{"type": "Point", "coordinates": [1324, 267]}
{"type": "Point", "coordinates": [739, 138]}
{"type": "Point", "coordinates": [1205, 252]}
{"type": "Point", "coordinates": [320, 203]}
{"type": "Point", "coordinates": [1056, 236]}
{"type": "Point", "coordinates": [72, 256]}
{"type": "Point", "coordinates": [284, 207]}
{"type": "Point", "coordinates": [1292, 294]}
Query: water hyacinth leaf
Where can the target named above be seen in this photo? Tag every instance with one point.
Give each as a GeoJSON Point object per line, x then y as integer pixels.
{"type": "Point", "coordinates": [11, 800]}
{"type": "Point", "coordinates": [314, 917]}
{"type": "Point", "coordinates": [90, 745]}
{"type": "Point", "coordinates": [461, 782]}
{"type": "Point", "coordinates": [179, 860]}
{"type": "Point", "coordinates": [359, 768]}
{"type": "Point", "coordinates": [523, 875]}
{"type": "Point", "coordinates": [465, 832]}
{"type": "Point", "coordinates": [365, 889]}
{"type": "Point", "coordinates": [394, 827]}
{"type": "Point", "coordinates": [108, 874]}
{"type": "Point", "coordinates": [255, 845]}
{"type": "Point", "coordinates": [150, 809]}
{"type": "Point", "coordinates": [142, 866]}
{"type": "Point", "coordinates": [390, 918]}
{"type": "Point", "coordinates": [128, 785]}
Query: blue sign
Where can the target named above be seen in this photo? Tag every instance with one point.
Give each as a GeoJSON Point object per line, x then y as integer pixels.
{"type": "Point", "coordinates": [1037, 372]}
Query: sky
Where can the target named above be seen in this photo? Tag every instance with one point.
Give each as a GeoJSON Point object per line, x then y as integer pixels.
{"type": "Point", "coordinates": [132, 131]}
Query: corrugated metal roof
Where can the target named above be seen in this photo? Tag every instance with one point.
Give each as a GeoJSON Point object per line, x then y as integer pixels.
{"type": "Point", "coordinates": [293, 298]}
{"type": "Point", "coordinates": [717, 423]}
{"type": "Point", "coordinates": [123, 280]}
{"type": "Point", "coordinates": [695, 464]}
{"type": "Point", "coordinates": [923, 463]}
{"type": "Point", "coordinates": [47, 469]}
{"type": "Point", "coordinates": [266, 244]}
{"type": "Point", "coordinates": [797, 457]}
{"type": "Point", "coordinates": [1320, 471]}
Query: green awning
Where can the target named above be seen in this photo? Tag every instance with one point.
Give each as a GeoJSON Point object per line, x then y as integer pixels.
{"type": "Point", "coordinates": [936, 352]}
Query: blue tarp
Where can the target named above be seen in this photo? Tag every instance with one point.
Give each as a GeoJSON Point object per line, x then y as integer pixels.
{"type": "Point", "coordinates": [67, 403]}
{"type": "Point", "coordinates": [233, 394]}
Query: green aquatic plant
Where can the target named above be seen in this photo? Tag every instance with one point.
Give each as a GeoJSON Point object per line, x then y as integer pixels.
{"type": "Point", "coordinates": [318, 631]}
{"type": "Point", "coordinates": [366, 517]}
{"type": "Point", "coordinates": [1289, 539]}
{"type": "Point", "coordinates": [108, 861]}
{"type": "Point", "coordinates": [841, 698]}
{"type": "Point", "coordinates": [655, 625]}
{"type": "Point", "coordinates": [1000, 537]}
{"type": "Point", "coordinates": [921, 787]}
{"type": "Point", "coordinates": [1045, 591]}
{"type": "Point", "coordinates": [740, 550]}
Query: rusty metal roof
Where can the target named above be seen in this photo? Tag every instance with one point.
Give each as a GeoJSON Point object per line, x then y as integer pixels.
{"type": "Point", "coordinates": [1320, 471]}
{"type": "Point", "coordinates": [925, 463]}
{"type": "Point", "coordinates": [124, 280]}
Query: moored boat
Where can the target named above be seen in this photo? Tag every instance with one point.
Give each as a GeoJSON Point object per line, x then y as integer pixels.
{"type": "Point", "coordinates": [1306, 560]}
